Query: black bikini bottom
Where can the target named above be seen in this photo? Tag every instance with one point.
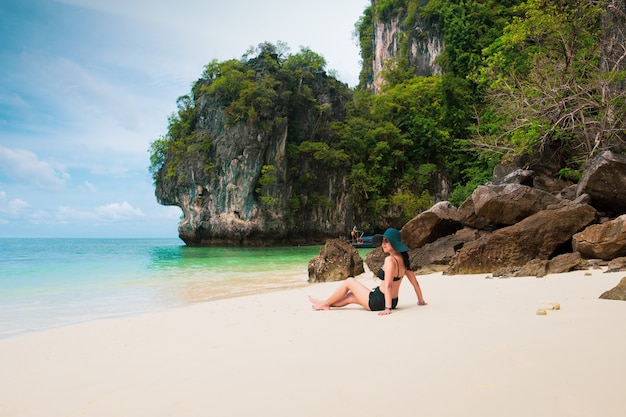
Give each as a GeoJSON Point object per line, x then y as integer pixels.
{"type": "Point", "coordinates": [377, 300]}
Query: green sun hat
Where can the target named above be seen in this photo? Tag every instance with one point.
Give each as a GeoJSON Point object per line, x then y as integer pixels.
{"type": "Point", "coordinates": [394, 237]}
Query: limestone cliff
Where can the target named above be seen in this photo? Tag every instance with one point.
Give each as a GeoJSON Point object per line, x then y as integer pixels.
{"type": "Point", "coordinates": [246, 182]}
{"type": "Point", "coordinates": [399, 34]}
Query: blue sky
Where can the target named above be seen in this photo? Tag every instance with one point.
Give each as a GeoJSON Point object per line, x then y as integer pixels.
{"type": "Point", "coordinates": [86, 85]}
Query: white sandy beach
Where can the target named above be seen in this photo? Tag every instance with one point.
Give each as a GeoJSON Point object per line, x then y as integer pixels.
{"type": "Point", "coordinates": [477, 349]}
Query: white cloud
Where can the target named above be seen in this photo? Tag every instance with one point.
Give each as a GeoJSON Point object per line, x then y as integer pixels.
{"type": "Point", "coordinates": [90, 186]}
{"type": "Point", "coordinates": [18, 210]}
{"type": "Point", "coordinates": [109, 170]}
{"type": "Point", "coordinates": [17, 206]}
{"type": "Point", "coordinates": [25, 167]}
{"type": "Point", "coordinates": [112, 212]}
{"type": "Point", "coordinates": [12, 207]}
{"type": "Point", "coordinates": [118, 211]}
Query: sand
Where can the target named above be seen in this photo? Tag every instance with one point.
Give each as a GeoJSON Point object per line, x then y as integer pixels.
{"type": "Point", "coordinates": [477, 349]}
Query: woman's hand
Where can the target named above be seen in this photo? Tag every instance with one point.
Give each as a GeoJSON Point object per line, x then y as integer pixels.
{"type": "Point", "coordinates": [384, 312]}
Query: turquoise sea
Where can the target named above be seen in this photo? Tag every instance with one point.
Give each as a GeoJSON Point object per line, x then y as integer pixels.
{"type": "Point", "coordinates": [47, 283]}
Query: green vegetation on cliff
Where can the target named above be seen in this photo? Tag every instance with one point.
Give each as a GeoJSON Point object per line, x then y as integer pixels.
{"type": "Point", "coordinates": [521, 78]}
{"type": "Point", "coordinates": [549, 84]}
{"type": "Point", "coordinates": [518, 78]}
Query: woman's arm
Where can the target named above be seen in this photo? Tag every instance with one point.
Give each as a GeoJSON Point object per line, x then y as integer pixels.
{"type": "Point", "coordinates": [416, 286]}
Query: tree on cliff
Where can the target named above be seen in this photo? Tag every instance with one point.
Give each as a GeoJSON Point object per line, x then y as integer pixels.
{"type": "Point", "coordinates": [547, 87]}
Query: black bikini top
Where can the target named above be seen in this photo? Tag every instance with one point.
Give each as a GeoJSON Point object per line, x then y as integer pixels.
{"type": "Point", "coordinates": [381, 273]}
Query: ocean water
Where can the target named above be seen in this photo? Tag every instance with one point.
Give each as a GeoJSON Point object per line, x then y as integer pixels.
{"type": "Point", "coordinates": [47, 283]}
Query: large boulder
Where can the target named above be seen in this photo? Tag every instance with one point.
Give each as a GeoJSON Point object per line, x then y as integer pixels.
{"type": "Point", "coordinates": [540, 267]}
{"type": "Point", "coordinates": [337, 260]}
{"type": "Point", "coordinates": [437, 255]}
{"type": "Point", "coordinates": [439, 221]}
{"type": "Point", "coordinates": [467, 216]}
{"type": "Point", "coordinates": [564, 263]}
{"type": "Point", "coordinates": [536, 237]}
{"type": "Point", "coordinates": [616, 265]}
{"type": "Point", "coordinates": [519, 176]}
{"type": "Point", "coordinates": [605, 241]}
{"type": "Point", "coordinates": [604, 180]}
{"type": "Point", "coordinates": [509, 203]}
{"type": "Point", "coordinates": [616, 293]}
{"type": "Point", "coordinates": [534, 268]}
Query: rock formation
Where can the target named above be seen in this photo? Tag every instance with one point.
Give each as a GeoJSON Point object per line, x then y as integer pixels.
{"type": "Point", "coordinates": [510, 229]}
{"type": "Point", "coordinates": [605, 241]}
{"type": "Point", "coordinates": [604, 181]}
{"type": "Point", "coordinates": [245, 182]}
{"type": "Point", "coordinates": [535, 237]}
{"type": "Point", "coordinates": [418, 39]}
{"type": "Point", "coordinates": [337, 260]}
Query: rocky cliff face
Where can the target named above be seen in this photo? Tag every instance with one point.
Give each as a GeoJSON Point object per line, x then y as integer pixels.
{"type": "Point", "coordinates": [246, 184]}
{"type": "Point", "coordinates": [396, 37]}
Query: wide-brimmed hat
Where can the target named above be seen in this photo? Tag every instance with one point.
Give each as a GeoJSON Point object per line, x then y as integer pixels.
{"type": "Point", "coordinates": [394, 237]}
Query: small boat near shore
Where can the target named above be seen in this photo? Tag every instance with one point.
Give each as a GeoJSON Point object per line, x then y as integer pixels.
{"type": "Point", "coordinates": [359, 240]}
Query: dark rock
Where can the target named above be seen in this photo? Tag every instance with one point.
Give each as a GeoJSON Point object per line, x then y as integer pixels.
{"type": "Point", "coordinates": [616, 293]}
{"type": "Point", "coordinates": [439, 221]}
{"type": "Point", "coordinates": [549, 183]}
{"type": "Point", "coordinates": [519, 176]}
{"type": "Point", "coordinates": [467, 216]}
{"type": "Point", "coordinates": [616, 265]}
{"type": "Point", "coordinates": [535, 237]}
{"type": "Point", "coordinates": [604, 241]}
{"type": "Point", "coordinates": [537, 171]}
{"type": "Point", "coordinates": [505, 169]}
{"type": "Point", "coordinates": [533, 268]}
{"type": "Point", "coordinates": [564, 263]}
{"type": "Point", "coordinates": [436, 256]}
{"type": "Point", "coordinates": [604, 180]}
{"type": "Point", "coordinates": [337, 260]}
{"type": "Point", "coordinates": [568, 193]}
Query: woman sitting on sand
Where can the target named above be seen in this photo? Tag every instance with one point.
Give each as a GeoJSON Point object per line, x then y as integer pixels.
{"type": "Point", "coordinates": [384, 298]}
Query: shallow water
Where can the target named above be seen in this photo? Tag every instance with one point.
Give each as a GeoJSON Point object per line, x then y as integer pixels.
{"type": "Point", "coordinates": [46, 283]}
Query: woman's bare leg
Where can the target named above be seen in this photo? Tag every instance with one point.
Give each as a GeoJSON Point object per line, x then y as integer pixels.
{"type": "Point", "coordinates": [350, 291]}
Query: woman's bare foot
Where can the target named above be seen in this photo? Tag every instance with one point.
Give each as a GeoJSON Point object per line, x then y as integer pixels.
{"type": "Point", "coordinates": [422, 303]}
{"type": "Point", "coordinates": [318, 304]}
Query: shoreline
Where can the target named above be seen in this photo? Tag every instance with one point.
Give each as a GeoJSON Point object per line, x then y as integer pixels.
{"type": "Point", "coordinates": [477, 349]}
{"type": "Point", "coordinates": [203, 293]}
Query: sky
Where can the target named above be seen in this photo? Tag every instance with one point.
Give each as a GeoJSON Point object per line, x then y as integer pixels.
{"type": "Point", "coordinates": [87, 85]}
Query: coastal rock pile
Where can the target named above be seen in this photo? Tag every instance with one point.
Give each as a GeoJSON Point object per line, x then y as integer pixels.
{"type": "Point", "coordinates": [337, 260]}
{"type": "Point", "coordinates": [524, 223]}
